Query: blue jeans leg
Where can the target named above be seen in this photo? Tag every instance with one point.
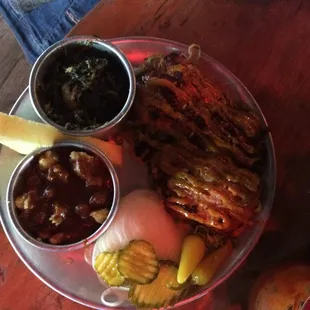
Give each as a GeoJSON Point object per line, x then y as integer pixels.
{"type": "Point", "coordinates": [50, 22]}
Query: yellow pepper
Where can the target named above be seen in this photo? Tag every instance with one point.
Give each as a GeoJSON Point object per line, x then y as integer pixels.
{"type": "Point", "coordinates": [193, 251]}
{"type": "Point", "coordinates": [210, 264]}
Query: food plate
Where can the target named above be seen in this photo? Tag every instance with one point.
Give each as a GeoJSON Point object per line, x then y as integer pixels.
{"type": "Point", "coordinates": [67, 273]}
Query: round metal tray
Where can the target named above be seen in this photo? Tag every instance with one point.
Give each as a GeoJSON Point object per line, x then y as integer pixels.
{"type": "Point", "coordinates": [67, 273]}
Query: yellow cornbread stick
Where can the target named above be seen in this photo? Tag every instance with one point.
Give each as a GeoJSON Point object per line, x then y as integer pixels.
{"type": "Point", "coordinates": [24, 136]}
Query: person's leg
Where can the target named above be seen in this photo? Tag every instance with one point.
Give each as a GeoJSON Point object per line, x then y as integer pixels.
{"type": "Point", "coordinates": [26, 5]}
{"type": "Point", "coordinates": [38, 29]}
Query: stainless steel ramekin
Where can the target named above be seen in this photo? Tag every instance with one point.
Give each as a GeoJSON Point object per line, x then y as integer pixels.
{"type": "Point", "coordinates": [49, 56]}
{"type": "Point", "coordinates": [14, 181]}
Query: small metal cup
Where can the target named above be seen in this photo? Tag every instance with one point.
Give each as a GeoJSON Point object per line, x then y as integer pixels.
{"type": "Point", "coordinates": [49, 56]}
{"type": "Point", "coordinates": [68, 247]}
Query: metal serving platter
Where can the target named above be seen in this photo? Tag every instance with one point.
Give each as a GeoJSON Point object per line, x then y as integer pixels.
{"type": "Point", "coordinates": [68, 273]}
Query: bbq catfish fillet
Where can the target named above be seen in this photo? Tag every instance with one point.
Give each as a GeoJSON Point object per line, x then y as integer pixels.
{"type": "Point", "coordinates": [24, 136]}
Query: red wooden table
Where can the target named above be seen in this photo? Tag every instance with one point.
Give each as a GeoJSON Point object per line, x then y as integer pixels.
{"type": "Point", "coordinates": [267, 45]}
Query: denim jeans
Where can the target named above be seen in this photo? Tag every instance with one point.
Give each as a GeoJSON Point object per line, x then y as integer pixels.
{"type": "Point", "coordinates": [50, 22]}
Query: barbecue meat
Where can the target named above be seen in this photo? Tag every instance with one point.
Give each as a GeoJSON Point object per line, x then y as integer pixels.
{"type": "Point", "coordinates": [200, 146]}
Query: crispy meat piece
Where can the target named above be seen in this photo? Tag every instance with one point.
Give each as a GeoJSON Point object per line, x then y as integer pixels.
{"type": "Point", "coordinates": [27, 201]}
{"type": "Point", "coordinates": [59, 215]}
{"type": "Point", "coordinates": [48, 160]}
{"type": "Point", "coordinates": [100, 215]}
{"type": "Point", "coordinates": [86, 167]}
{"type": "Point", "coordinates": [57, 173]}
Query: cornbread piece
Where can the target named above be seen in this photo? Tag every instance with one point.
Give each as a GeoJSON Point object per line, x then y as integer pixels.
{"type": "Point", "coordinates": [86, 167]}
{"type": "Point", "coordinates": [24, 136]}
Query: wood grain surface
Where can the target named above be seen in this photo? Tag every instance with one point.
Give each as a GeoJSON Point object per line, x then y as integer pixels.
{"type": "Point", "coordinates": [265, 43]}
{"type": "Point", "coordinates": [14, 68]}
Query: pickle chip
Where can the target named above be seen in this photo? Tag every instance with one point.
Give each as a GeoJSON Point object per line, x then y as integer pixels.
{"type": "Point", "coordinates": [106, 267]}
{"type": "Point", "coordinates": [138, 263]}
{"type": "Point", "coordinates": [157, 294]}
